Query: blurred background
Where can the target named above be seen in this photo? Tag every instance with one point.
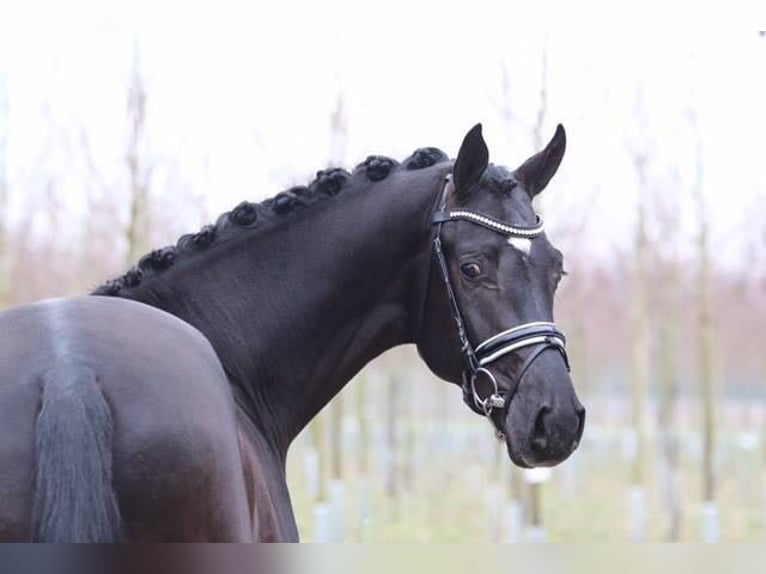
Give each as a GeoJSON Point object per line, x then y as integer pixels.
{"type": "Point", "coordinates": [126, 124]}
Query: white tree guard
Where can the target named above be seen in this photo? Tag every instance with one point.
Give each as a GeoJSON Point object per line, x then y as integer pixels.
{"type": "Point", "coordinates": [637, 514]}
{"type": "Point", "coordinates": [569, 477]}
{"type": "Point", "coordinates": [536, 534]}
{"type": "Point", "coordinates": [764, 500]}
{"type": "Point", "coordinates": [494, 500]}
{"type": "Point", "coordinates": [338, 504]}
{"type": "Point", "coordinates": [363, 500]}
{"type": "Point", "coordinates": [323, 523]}
{"type": "Point", "coordinates": [709, 512]}
{"type": "Point", "coordinates": [514, 522]}
{"type": "Point", "coordinates": [628, 445]}
{"type": "Point", "coordinates": [537, 475]}
{"type": "Point", "coordinates": [311, 471]}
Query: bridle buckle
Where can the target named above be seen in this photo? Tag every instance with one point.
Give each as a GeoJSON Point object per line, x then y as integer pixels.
{"type": "Point", "coordinates": [494, 401]}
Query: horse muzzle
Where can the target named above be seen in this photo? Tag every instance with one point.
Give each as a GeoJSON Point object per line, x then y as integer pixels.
{"type": "Point", "coordinates": [543, 433]}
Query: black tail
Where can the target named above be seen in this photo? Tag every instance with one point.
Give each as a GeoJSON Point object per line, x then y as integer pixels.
{"type": "Point", "coordinates": [74, 499]}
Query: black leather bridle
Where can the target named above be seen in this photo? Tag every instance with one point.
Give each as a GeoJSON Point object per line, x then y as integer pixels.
{"type": "Point", "coordinates": [539, 336]}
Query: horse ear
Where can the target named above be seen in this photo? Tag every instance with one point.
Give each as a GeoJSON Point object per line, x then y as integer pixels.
{"type": "Point", "coordinates": [472, 160]}
{"type": "Point", "coordinates": [535, 173]}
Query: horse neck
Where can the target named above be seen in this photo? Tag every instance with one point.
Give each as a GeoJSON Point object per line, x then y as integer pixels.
{"type": "Point", "coordinates": [296, 310]}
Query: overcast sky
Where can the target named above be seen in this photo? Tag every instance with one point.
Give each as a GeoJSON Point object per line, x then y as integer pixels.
{"type": "Point", "coordinates": [240, 97]}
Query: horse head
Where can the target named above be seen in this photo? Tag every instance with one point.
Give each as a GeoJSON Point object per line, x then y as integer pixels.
{"type": "Point", "coordinates": [488, 310]}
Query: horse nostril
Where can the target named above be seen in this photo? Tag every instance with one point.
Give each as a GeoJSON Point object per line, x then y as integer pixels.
{"type": "Point", "coordinates": [539, 443]}
{"type": "Point", "coordinates": [539, 439]}
{"type": "Point", "coordinates": [580, 410]}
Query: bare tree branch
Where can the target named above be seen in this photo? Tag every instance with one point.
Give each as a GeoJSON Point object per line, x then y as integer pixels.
{"type": "Point", "coordinates": [139, 168]}
{"type": "Point", "coordinates": [4, 256]}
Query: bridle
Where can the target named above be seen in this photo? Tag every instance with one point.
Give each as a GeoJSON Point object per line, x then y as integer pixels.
{"type": "Point", "coordinates": [539, 336]}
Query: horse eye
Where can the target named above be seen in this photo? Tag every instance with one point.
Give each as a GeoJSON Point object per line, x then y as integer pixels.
{"type": "Point", "coordinates": [470, 270]}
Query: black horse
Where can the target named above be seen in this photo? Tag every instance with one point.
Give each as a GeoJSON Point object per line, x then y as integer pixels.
{"type": "Point", "coordinates": [162, 406]}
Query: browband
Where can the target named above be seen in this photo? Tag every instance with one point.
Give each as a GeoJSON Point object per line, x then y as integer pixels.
{"type": "Point", "coordinates": [491, 223]}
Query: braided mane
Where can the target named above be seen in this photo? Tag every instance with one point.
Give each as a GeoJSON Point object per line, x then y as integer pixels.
{"type": "Point", "coordinates": [247, 215]}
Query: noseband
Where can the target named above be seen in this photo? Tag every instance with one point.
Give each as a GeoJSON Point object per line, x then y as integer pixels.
{"type": "Point", "coordinates": [538, 336]}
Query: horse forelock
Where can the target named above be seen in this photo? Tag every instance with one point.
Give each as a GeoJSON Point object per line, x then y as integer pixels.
{"type": "Point", "coordinates": [248, 215]}
{"type": "Point", "coordinates": [499, 180]}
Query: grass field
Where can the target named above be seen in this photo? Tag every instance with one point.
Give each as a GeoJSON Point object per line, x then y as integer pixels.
{"type": "Point", "coordinates": [447, 501]}
{"type": "Point", "coordinates": [446, 465]}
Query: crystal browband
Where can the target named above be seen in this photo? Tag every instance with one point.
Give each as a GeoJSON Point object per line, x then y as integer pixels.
{"type": "Point", "coordinates": [491, 223]}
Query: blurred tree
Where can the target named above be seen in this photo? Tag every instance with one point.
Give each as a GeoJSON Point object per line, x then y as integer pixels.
{"type": "Point", "coordinates": [4, 231]}
{"type": "Point", "coordinates": [363, 462]}
{"type": "Point", "coordinates": [704, 334]}
{"type": "Point", "coordinates": [99, 241]}
{"type": "Point", "coordinates": [639, 379]}
{"type": "Point", "coordinates": [336, 438]}
{"type": "Point", "coordinates": [538, 135]}
{"type": "Point", "coordinates": [393, 394]}
{"type": "Point", "coordinates": [667, 303]}
{"type": "Point", "coordinates": [338, 140]}
{"type": "Point", "coordinates": [760, 376]}
{"type": "Point", "coordinates": [138, 164]}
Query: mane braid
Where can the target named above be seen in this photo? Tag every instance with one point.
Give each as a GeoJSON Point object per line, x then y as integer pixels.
{"type": "Point", "coordinates": [248, 215]}
{"type": "Point", "coordinates": [377, 167]}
